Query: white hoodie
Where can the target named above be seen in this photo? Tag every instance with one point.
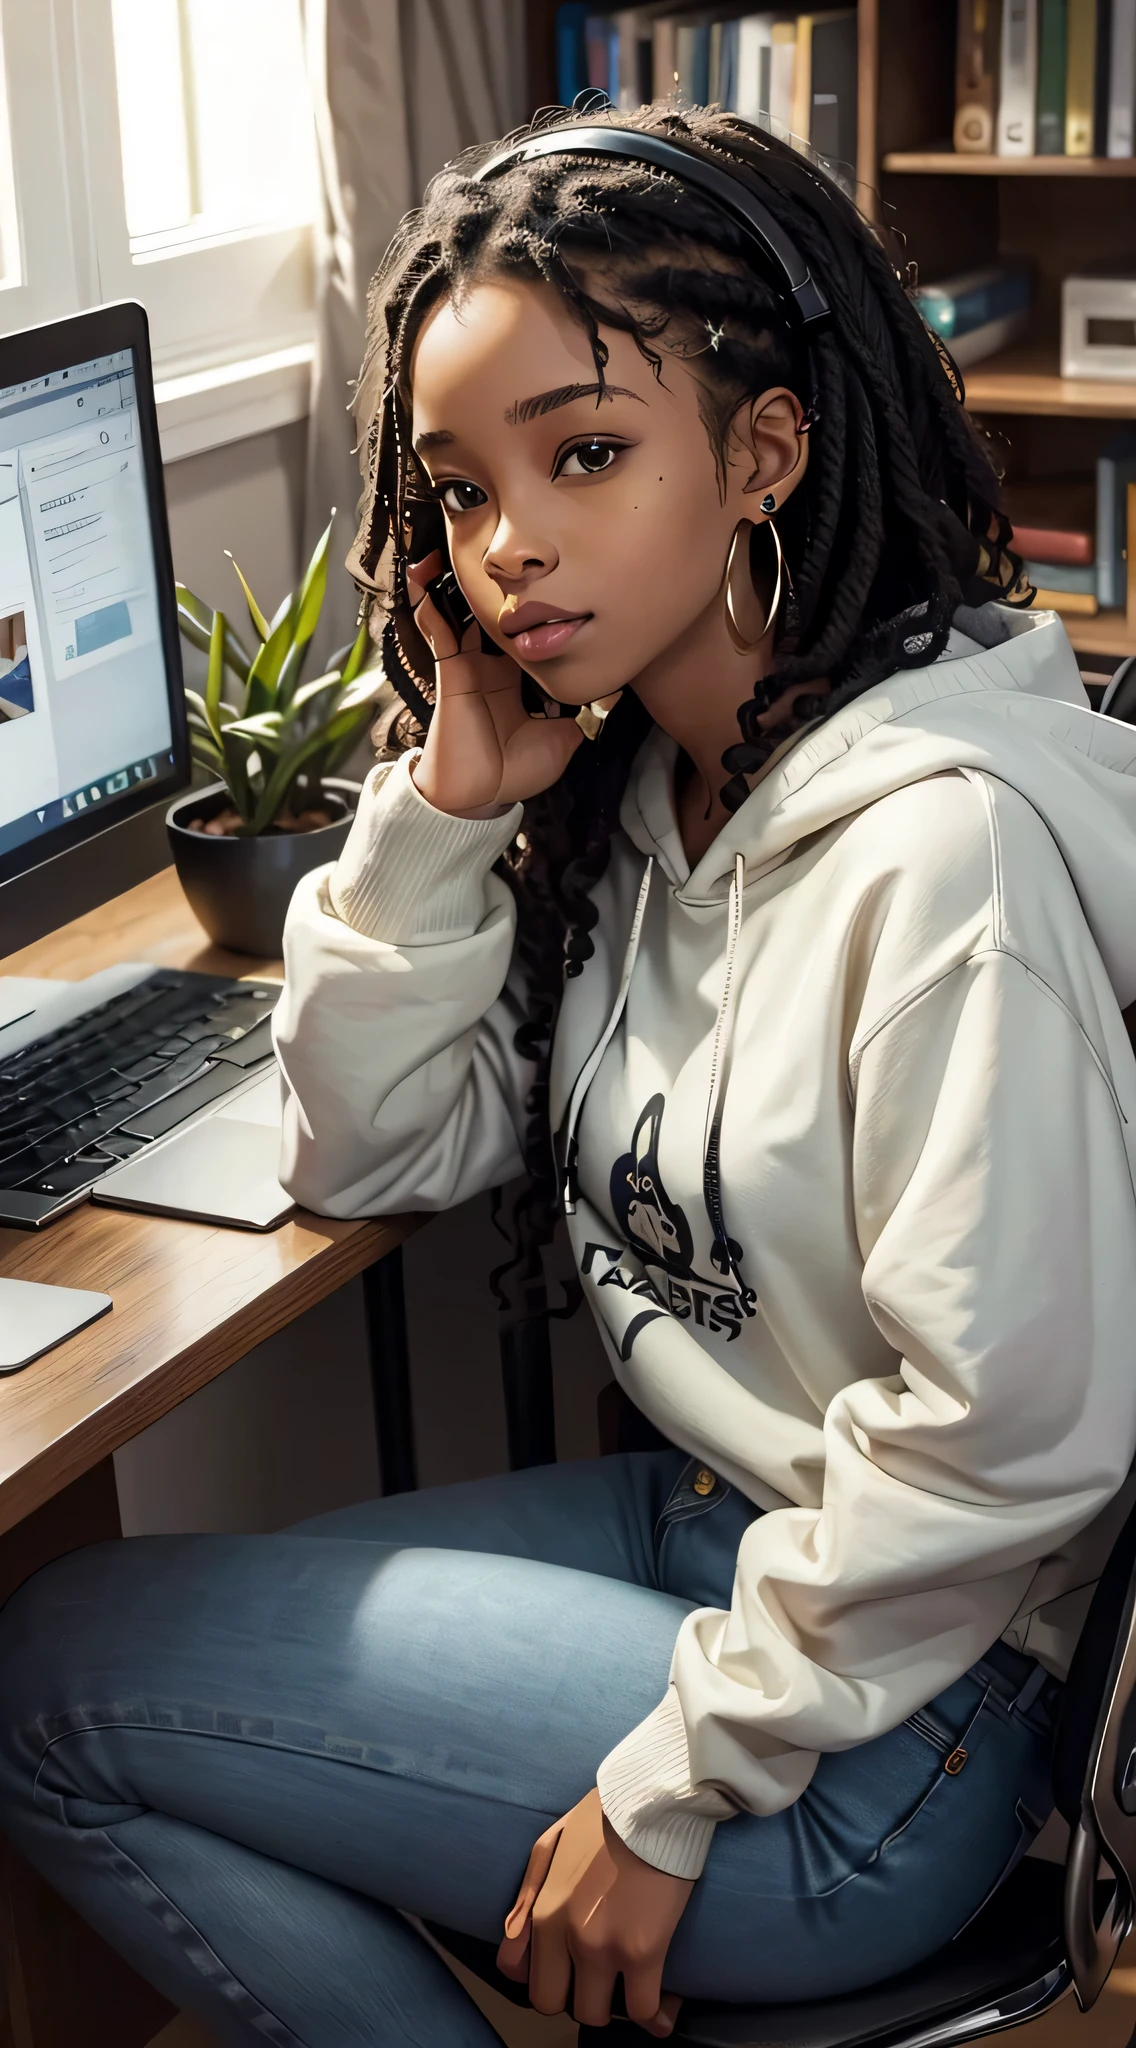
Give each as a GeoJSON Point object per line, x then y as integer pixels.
{"type": "Point", "coordinates": [851, 1109]}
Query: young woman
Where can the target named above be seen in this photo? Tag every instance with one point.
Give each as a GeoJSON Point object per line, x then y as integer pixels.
{"type": "Point", "coordinates": [839, 1095]}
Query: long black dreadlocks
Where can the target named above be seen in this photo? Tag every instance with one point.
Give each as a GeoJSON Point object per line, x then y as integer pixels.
{"type": "Point", "coordinates": [895, 523]}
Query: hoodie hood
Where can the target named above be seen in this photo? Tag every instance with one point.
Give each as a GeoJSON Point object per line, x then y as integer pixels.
{"type": "Point", "coordinates": [1006, 698]}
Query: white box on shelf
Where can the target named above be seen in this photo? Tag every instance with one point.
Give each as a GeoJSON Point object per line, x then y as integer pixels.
{"type": "Point", "coordinates": [1098, 327]}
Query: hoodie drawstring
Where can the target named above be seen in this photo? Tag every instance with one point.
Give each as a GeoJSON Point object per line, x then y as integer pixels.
{"type": "Point", "coordinates": [591, 1065]}
{"type": "Point", "coordinates": [724, 1254]}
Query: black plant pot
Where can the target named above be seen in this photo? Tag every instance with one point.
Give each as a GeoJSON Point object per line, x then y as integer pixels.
{"type": "Point", "coordinates": [240, 889]}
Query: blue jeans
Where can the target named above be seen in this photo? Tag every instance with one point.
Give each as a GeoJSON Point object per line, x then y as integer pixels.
{"type": "Point", "coordinates": [238, 1756]}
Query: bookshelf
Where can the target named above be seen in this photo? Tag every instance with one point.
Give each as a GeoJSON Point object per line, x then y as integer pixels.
{"type": "Point", "coordinates": [944, 163]}
{"type": "Point", "coordinates": [960, 212]}
{"type": "Point", "coordinates": [1026, 380]}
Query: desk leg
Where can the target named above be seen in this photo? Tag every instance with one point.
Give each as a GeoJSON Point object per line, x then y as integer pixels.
{"type": "Point", "coordinates": [384, 1302]}
{"type": "Point", "coordinates": [62, 1984]}
{"type": "Point", "coordinates": [526, 1372]}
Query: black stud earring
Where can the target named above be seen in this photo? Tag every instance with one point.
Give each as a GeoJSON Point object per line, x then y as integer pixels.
{"type": "Point", "coordinates": [769, 502]}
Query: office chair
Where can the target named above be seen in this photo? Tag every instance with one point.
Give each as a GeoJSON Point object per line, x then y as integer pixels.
{"type": "Point", "coordinates": [1119, 700]}
{"type": "Point", "coordinates": [1043, 1933]}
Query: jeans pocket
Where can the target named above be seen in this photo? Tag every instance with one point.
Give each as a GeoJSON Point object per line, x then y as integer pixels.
{"type": "Point", "coordinates": [697, 1535]}
{"type": "Point", "coordinates": [955, 1749]}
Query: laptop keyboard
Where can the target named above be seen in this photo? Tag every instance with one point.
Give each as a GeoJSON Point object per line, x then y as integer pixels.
{"type": "Point", "coordinates": [76, 1102]}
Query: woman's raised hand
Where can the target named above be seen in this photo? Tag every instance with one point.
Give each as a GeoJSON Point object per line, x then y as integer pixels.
{"type": "Point", "coordinates": [483, 752]}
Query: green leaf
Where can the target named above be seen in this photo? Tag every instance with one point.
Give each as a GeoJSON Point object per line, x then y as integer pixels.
{"type": "Point", "coordinates": [267, 664]}
{"type": "Point", "coordinates": [255, 613]}
{"type": "Point", "coordinates": [265, 727]}
{"type": "Point", "coordinates": [308, 696]}
{"type": "Point", "coordinates": [196, 622]}
{"type": "Point", "coordinates": [309, 604]}
{"type": "Point", "coordinates": [235, 751]}
{"type": "Point", "coordinates": [313, 589]}
{"type": "Point", "coordinates": [360, 649]}
{"type": "Point", "coordinates": [215, 676]}
{"type": "Point", "coordinates": [204, 751]}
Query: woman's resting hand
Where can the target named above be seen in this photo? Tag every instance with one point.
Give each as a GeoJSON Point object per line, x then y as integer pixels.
{"type": "Point", "coordinates": [589, 1909]}
{"type": "Point", "coordinates": [483, 752]}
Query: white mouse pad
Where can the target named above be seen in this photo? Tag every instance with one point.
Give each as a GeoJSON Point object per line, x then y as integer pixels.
{"type": "Point", "coordinates": [35, 1318]}
{"type": "Point", "coordinates": [221, 1170]}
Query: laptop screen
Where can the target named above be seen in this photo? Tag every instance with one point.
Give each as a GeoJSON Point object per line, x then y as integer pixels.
{"type": "Point", "coordinates": [84, 699]}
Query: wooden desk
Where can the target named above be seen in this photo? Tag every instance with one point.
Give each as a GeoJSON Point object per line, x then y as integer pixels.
{"type": "Point", "coordinates": [189, 1300]}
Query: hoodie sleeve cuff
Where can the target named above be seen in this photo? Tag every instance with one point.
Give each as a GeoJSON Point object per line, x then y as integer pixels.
{"type": "Point", "coordinates": [646, 1794]}
{"type": "Point", "coordinates": [410, 874]}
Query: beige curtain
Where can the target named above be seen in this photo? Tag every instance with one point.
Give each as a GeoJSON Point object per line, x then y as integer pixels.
{"type": "Point", "coordinates": [400, 86]}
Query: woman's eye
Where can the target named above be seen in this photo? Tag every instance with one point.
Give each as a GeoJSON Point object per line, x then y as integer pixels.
{"type": "Point", "coordinates": [461, 497]}
{"type": "Point", "coordinates": [588, 458]}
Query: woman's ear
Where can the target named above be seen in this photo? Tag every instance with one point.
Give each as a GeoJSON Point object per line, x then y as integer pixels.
{"type": "Point", "coordinates": [772, 448]}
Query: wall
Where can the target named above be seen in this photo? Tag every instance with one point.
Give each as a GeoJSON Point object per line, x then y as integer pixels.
{"type": "Point", "coordinates": [248, 497]}
{"type": "Point", "coordinates": [288, 1432]}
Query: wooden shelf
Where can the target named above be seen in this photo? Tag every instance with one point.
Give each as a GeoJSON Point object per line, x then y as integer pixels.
{"type": "Point", "coordinates": [1107, 633]}
{"type": "Point", "coordinates": [954, 164]}
{"type": "Point", "coordinates": [1025, 380]}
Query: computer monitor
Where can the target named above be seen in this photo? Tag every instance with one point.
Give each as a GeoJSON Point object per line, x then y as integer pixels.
{"type": "Point", "coordinates": [92, 715]}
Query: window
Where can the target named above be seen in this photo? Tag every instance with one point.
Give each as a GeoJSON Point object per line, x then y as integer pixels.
{"type": "Point", "coordinates": [160, 150]}
{"type": "Point", "coordinates": [215, 120]}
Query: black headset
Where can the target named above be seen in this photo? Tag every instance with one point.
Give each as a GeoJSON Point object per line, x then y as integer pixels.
{"type": "Point", "coordinates": [727, 188]}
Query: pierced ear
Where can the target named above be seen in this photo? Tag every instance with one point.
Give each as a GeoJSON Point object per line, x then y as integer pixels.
{"type": "Point", "coordinates": [769, 429]}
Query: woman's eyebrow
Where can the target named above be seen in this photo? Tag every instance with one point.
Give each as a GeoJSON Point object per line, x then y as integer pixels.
{"type": "Point", "coordinates": [525, 409]}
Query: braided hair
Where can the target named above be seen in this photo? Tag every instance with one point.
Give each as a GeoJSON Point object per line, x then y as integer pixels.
{"type": "Point", "coordinates": [895, 522]}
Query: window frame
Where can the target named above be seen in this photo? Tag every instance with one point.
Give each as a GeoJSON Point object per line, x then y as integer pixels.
{"type": "Point", "coordinates": [243, 296]}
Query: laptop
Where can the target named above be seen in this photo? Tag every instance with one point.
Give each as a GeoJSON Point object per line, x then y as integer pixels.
{"type": "Point", "coordinates": [97, 1073]}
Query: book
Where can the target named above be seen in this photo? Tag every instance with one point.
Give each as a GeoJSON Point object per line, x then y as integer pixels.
{"type": "Point", "coordinates": [571, 51]}
{"type": "Point", "coordinates": [1071, 581]}
{"type": "Point", "coordinates": [1102, 71]}
{"type": "Point", "coordinates": [692, 60]}
{"type": "Point", "coordinates": [833, 116]}
{"type": "Point", "coordinates": [1116, 469]}
{"type": "Point", "coordinates": [601, 46]}
{"type": "Point", "coordinates": [988, 340]}
{"type": "Point", "coordinates": [1052, 36]}
{"type": "Point", "coordinates": [1054, 519]}
{"type": "Point", "coordinates": [807, 24]}
{"type": "Point", "coordinates": [755, 37]}
{"type": "Point", "coordinates": [1056, 548]}
{"type": "Point", "coordinates": [664, 57]}
{"type": "Point", "coordinates": [976, 75]}
{"type": "Point", "coordinates": [727, 84]}
{"type": "Point", "coordinates": [958, 305]}
{"type": "Point", "coordinates": [633, 26]}
{"type": "Point", "coordinates": [782, 75]}
{"type": "Point", "coordinates": [1080, 77]}
{"type": "Point", "coordinates": [1017, 92]}
{"type": "Point", "coordinates": [1121, 137]}
{"type": "Point", "coordinates": [1075, 603]}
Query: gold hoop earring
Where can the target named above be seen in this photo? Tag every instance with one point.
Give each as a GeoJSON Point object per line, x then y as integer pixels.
{"type": "Point", "coordinates": [590, 717]}
{"type": "Point", "coordinates": [746, 623]}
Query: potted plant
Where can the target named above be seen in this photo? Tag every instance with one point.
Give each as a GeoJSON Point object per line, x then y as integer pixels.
{"type": "Point", "coordinates": [274, 741]}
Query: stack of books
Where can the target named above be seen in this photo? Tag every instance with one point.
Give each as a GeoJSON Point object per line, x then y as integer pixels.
{"type": "Point", "coordinates": [1078, 534]}
{"type": "Point", "coordinates": [794, 74]}
{"type": "Point", "coordinates": [1046, 78]}
{"type": "Point", "coordinates": [978, 313]}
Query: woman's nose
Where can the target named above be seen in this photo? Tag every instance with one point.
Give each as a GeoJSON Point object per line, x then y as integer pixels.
{"type": "Point", "coordinates": [516, 554]}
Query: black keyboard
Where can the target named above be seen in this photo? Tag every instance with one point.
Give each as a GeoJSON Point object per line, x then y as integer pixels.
{"type": "Point", "coordinates": [77, 1101]}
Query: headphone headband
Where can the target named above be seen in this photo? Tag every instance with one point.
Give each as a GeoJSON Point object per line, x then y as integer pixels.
{"type": "Point", "coordinates": [802, 292]}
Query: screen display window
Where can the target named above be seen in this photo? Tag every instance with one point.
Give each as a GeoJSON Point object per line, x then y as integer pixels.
{"type": "Point", "coordinates": [84, 707]}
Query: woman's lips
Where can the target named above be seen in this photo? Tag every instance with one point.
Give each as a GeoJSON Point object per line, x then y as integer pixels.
{"type": "Point", "coordinates": [537, 643]}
